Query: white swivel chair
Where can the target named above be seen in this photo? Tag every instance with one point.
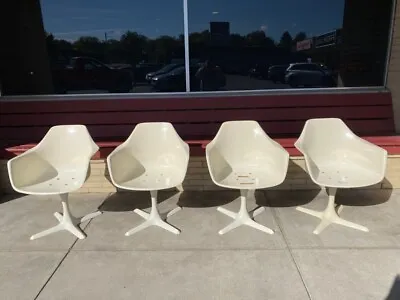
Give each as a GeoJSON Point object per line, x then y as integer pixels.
{"type": "Point", "coordinates": [57, 165]}
{"type": "Point", "coordinates": [153, 158]}
{"type": "Point", "coordinates": [336, 158]}
{"type": "Point", "coordinates": [242, 156]}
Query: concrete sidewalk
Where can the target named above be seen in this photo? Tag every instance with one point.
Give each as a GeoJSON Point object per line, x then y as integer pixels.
{"type": "Point", "coordinates": [199, 264]}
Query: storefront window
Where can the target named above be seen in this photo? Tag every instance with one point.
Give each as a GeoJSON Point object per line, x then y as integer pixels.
{"type": "Point", "coordinates": [260, 45]}
{"type": "Point", "coordinates": [92, 46]}
{"type": "Point", "coordinates": [138, 46]}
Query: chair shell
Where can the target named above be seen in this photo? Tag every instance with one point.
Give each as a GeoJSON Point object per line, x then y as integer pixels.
{"type": "Point", "coordinates": [337, 158]}
{"type": "Point", "coordinates": [57, 165]}
{"type": "Point", "coordinates": [153, 158]}
{"type": "Point", "coordinates": [243, 157]}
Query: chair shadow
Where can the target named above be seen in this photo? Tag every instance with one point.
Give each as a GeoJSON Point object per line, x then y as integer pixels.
{"type": "Point", "coordinates": [203, 199]}
{"type": "Point", "coordinates": [290, 197]}
{"type": "Point", "coordinates": [130, 200]}
{"type": "Point", "coordinates": [394, 293]}
{"type": "Point", "coordinates": [365, 196]}
{"type": "Point", "coordinates": [4, 198]}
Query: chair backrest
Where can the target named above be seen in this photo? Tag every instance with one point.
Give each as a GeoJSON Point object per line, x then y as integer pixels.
{"type": "Point", "coordinates": [67, 145]}
{"type": "Point", "coordinates": [239, 140]}
{"type": "Point", "coordinates": [320, 137]}
{"type": "Point", "coordinates": [153, 141]}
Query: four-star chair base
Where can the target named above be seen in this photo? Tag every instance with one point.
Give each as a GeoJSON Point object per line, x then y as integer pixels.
{"type": "Point", "coordinates": [154, 217]}
{"type": "Point", "coordinates": [67, 221]}
{"type": "Point", "coordinates": [243, 216]}
{"type": "Point", "coordinates": [330, 214]}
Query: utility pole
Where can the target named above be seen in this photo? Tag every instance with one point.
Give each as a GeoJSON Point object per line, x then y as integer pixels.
{"type": "Point", "coordinates": [105, 36]}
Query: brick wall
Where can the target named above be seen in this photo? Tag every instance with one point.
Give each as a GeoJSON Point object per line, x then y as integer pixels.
{"type": "Point", "coordinates": [394, 68]}
{"type": "Point", "coordinates": [198, 178]}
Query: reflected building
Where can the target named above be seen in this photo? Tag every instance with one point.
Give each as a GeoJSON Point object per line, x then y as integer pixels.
{"type": "Point", "coordinates": [325, 49]}
{"type": "Point", "coordinates": [220, 33]}
{"type": "Point", "coordinates": [25, 64]}
{"type": "Point", "coordinates": [364, 47]}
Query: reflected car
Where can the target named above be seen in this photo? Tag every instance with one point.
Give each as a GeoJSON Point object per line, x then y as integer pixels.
{"type": "Point", "coordinates": [87, 73]}
{"type": "Point", "coordinates": [277, 73]}
{"type": "Point", "coordinates": [309, 75]}
{"type": "Point", "coordinates": [259, 71]}
{"type": "Point", "coordinates": [142, 69]}
{"type": "Point", "coordinates": [175, 81]}
{"type": "Point", "coordinates": [166, 69]}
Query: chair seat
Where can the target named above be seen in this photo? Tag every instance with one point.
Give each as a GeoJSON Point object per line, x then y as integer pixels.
{"type": "Point", "coordinates": [248, 177]}
{"type": "Point", "coordinates": [62, 182]}
{"type": "Point", "coordinates": [155, 178]}
{"type": "Point", "coordinates": [346, 175]}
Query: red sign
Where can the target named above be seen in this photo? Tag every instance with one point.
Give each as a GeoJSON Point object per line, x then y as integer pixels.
{"type": "Point", "coordinates": [304, 45]}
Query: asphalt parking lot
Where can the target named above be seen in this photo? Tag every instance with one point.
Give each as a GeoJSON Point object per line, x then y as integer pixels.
{"type": "Point", "coordinates": [233, 82]}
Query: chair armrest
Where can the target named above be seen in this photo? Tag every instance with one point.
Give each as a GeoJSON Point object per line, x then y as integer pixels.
{"type": "Point", "coordinates": [122, 165]}
{"type": "Point", "coordinates": [375, 156]}
{"type": "Point", "coordinates": [218, 167]}
{"type": "Point", "coordinates": [312, 168]}
{"type": "Point", "coordinates": [28, 169]}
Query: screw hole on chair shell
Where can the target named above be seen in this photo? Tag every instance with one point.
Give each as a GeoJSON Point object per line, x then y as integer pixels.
{"type": "Point", "coordinates": [58, 178]}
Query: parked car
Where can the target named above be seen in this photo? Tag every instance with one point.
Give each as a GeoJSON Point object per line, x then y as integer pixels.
{"type": "Point", "coordinates": [309, 75]}
{"type": "Point", "coordinates": [175, 81]}
{"type": "Point", "coordinates": [86, 73]}
{"type": "Point", "coordinates": [259, 71]}
{"type": "Point", "coordinates": [277, 73]}
{"type": "Point", "coordinates": [166, 69]}
{"type": "Point", "coordinates": [141, 69]}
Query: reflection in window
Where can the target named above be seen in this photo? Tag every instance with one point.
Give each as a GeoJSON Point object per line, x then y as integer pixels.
{"type": "Point", "coordinates": [260, 44]}
{"type": "Point", "coordinates": [104, 46]}
{"type": "Point", "coordinates": [95, 46]}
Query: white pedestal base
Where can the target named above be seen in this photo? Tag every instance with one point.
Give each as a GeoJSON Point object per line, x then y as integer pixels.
{"type": "Point", "coordinates": [243, 217]}
{"type": "Point", "coordinates": [330, 215]}
{"type": "Point", "coordinates": [154, 218]}
{"type": "Point", "coordinates": [67, 221]}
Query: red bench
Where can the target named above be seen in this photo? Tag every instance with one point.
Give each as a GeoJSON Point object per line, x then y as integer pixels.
{"type": "Point", "coordinates": [390, 143]}
{"type": "Point", "coordinates": [197, 119]}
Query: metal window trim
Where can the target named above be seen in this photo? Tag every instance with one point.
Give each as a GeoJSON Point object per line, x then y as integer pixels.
{"type": "Point", "coordinates": [238, 93]}
{"type": "Point", "coordinates": [209, 95]}
{"type": "Point", "coordinates": [390, 42]}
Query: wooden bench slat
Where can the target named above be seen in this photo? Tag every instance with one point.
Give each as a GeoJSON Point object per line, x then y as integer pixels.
{"type": "Point", "coordinates": [196, 116]}
{"type": "Point", "coordinates": [184, 103]}
{"type": "Point", "coordinates": [120, 132]}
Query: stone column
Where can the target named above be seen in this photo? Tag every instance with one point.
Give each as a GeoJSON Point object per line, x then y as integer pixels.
{"type": "Point", "coordinates": [393, 79]}
{"type": "Point", "coordinates": [25, 67]}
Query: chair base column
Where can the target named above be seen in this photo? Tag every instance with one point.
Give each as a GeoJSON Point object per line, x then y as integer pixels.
{"type": "Point", "coordinates": [243, 216]}
{"type": "Point", "coordinates": [330, 215]}
{"type": "Point", "coordinates": [67, 221]}
{"type": "Point", "coordinates": [154, 218]}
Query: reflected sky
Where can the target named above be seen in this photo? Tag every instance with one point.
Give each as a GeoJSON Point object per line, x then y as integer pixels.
{"type": "Point", "coordinates": [74, 18]}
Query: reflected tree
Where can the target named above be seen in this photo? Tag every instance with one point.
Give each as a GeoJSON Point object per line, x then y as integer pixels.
{"type": "Point", "coordinates": [286, 41]}
{"type": "Point", "coordinates": [259, 38]}
{"type": "Point", "coordinates": [133, 47]}
{"type": "Point", "coordinates": [301, 36]}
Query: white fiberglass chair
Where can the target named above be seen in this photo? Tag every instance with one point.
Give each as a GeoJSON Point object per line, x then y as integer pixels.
{"type": "Point", "coordinates": [242, 156]}
{"type": "Point", "coordinates": [57, 165]}
{"type": "Point", "coordinates": [337, 158]}
{"type": "Point", "coordinates": [153, 158]}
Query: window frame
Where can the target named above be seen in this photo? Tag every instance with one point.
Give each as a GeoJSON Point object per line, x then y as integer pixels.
{"type": "Point", "coordinates": [190, 94]}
